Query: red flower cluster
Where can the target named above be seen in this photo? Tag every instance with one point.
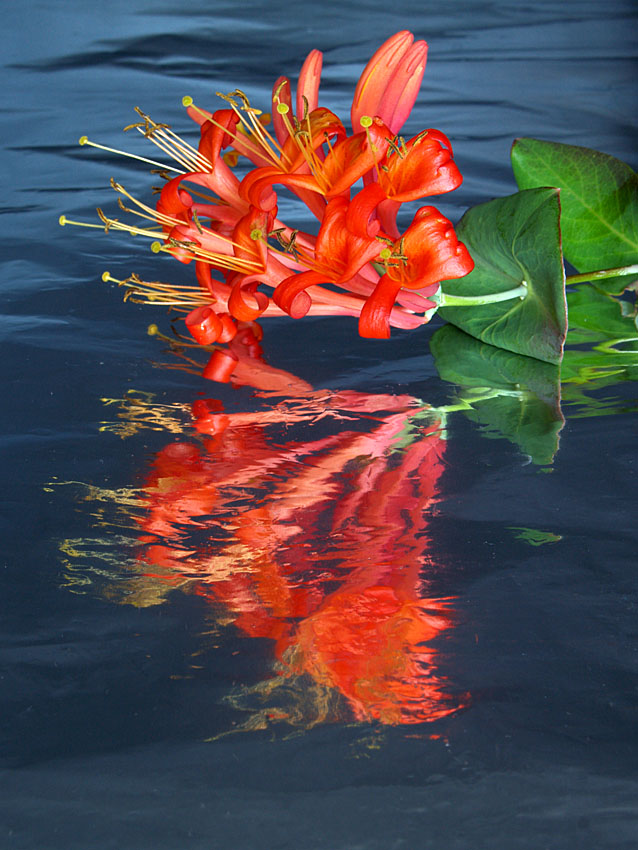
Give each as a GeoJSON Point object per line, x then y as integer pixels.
{"type": "Point", "coordinates": [358, 263]}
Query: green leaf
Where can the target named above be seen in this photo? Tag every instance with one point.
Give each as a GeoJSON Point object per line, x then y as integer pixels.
{"type": "Point", "coordinates": [599, 200]}
{"type": "Point", "coordinates": [510, 395]}
{"type": "Point", "coordinates": [514, 240]}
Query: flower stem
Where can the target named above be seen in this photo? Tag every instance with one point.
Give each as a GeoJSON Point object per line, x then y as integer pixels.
{"type": "Point", "coordinates": [602, 274]}
{"type": "Point", "coordinates": [445, 299]}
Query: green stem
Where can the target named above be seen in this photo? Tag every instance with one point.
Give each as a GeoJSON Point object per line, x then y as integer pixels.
{"type": "Point", "coordinates": [602, 274]}
{"type": "Point", "coordinates": [445, 299]}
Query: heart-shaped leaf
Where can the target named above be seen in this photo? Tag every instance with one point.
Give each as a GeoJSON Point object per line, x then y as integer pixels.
{"type": "Point", "coordinates": [514, 240]}
{"type": "Point", "coordinates": [599, 200]}
{"type": "Point", "coordinates": [511, 396]}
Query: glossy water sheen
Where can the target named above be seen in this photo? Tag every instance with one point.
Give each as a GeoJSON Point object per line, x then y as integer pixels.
{"type": "Point", "coordinates": [510, 719]}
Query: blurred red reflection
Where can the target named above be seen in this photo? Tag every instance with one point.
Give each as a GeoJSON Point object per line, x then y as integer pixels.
{"type": "Point", "coordinates": [317, 542]}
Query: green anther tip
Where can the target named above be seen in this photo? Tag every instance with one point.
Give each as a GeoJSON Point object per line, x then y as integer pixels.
{"type": "Point", "coordinates": [156, 247]}
{"type": "Point", "coordinates": [283, 108]}
{"type": "Point", "coordinates": [365, 121]}
{"type": "Point", "coordinates": [186, 101]}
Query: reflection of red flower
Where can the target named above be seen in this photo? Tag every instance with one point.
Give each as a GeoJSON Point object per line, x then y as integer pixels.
{"type": "Point", "coordinates": [372, 645]}
{"type": "Point", "coordinates": [318, 544]}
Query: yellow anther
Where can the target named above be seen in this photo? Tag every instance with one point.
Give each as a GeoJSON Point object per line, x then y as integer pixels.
{"type": "Point", "coordinates": [279, 88]}
{"type": "Point", "coordinates": [365, 121]}
{"type": "Point", "coordinates": [106, 277]}
{"type": "Point", "coordinates": [385, 254]}
{"type": "Point", "coordinates": [186, 101]}
{"type": "Point", "coordinates": [62, 220]}
{"type": "Point", "coordinates": [256, 234]}
{"type": "Point", "coordinates": [152, 330]}
{"type": "Point", "coordinates": [156, 247]}
{"type": "Point", "coordinates": [283, 108]}
{"type": "Point", "coordinates": [83, 140]}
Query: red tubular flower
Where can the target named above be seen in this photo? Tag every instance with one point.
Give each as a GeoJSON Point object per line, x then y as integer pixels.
{"type": "Point", "coordinates": [390, 82]}
{"type": "Point", "coordinates": [307, 93]}
{"type": "Point", "coordinates": [409, 171]}
{"type": "Point", "coordinates": [338, 256]}
{"type": "Point", "coordinates": [229, 228]}
{"type": "Point", "coordinates": [428, 253]}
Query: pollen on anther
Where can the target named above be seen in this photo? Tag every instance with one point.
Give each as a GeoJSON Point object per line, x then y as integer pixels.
{"type": "Point", "coordinates": [283, 108]}
{"type": "Point", "coordinates": [365, 121]}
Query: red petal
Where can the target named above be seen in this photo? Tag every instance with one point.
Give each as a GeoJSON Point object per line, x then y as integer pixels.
{"type": "Point", "coordinates": [218, 135]}
{"type": "Point", "coordinates": [204, 325]}
{"type": "Point", "coordinates": [246, 303]}
{"type": "Point", "coordinates": [361, 219]}
{"type": "Point", "coordinates": [354, 156]}
{"type": "Point", "coordinates": [229, 328]}
{"type": "Point", "coordinates": [374, 321]}
{"type": "Point", "coordinates": [308, 83]}
{"type": "Point", "coordinates": [291, 296]}
{"type": "Point", "coordinates": [281, 131]}
{"type": "Point", "coordinates": [432, 250]}
{"type": "Point", "coordinates": [424, 167]}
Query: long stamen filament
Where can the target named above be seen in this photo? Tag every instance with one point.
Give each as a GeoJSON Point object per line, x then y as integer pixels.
{"type": "Point", "coordinates": [159, 293]}
{"type": "Point", "coordinates": [179, 153]}
{"type": "Point", "coordinates": [83, 140]}
{"type": "Point", "coordinates": [261, 135]}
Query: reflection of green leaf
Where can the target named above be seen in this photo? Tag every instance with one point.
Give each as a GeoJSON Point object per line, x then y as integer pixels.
{"type": "Point", "coordinates": [581, 367]}
{"type": "Point", "coordinates": [599, 200]}
{"type": "Point", "coordinates": [533, 536]}
{"type": "Point", "coordinates": [591, 310]}
{"type": "Point", "coordinates": [597, 319]}
{"type": "Point", "coordinates": [513, 396]}
{"type": "Point", "coordinates": [512, 240]}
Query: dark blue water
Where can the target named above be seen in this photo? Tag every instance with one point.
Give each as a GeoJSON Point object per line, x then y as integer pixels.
{"type": "Point", "coordinates": [174, 672]}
